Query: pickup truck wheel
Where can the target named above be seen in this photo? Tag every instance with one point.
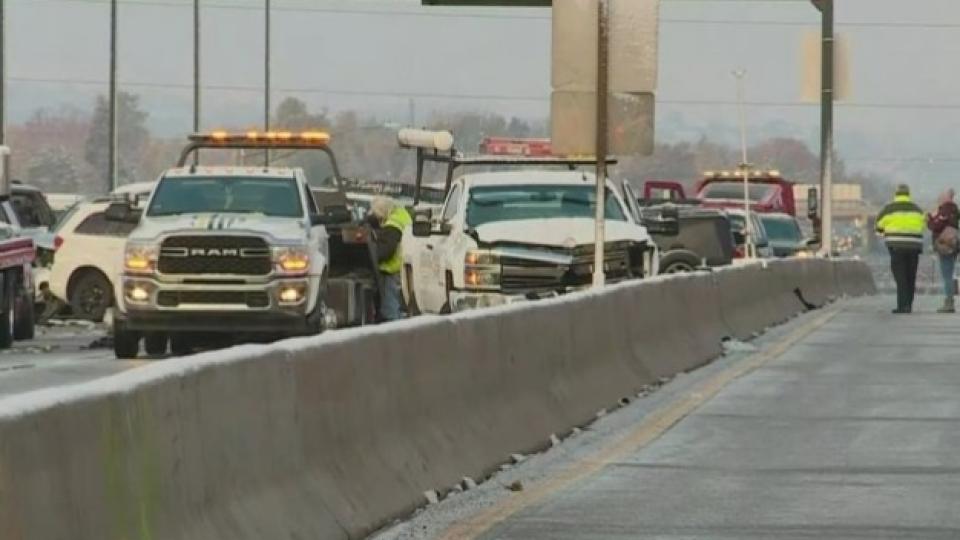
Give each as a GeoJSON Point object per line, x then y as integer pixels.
{"type": "Point", "coordinates": [126, 344]}
{"type": "Point", "coordinates": [155, 343]}
{"type": "Point", "coordinates": [181, 345]}
{"type": "Point", "coordinates": [679, 262]}
{"type": "Point", "coordinates": [6, 313]}
{"type": "Point", "coordinates": [24, 315]}
{"type": "Point", "coordinates": [91, 296]}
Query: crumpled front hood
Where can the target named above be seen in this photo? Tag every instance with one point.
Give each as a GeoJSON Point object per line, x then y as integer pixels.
{"type": "Point", "coordinates": [558, 232]}
{"type": "Point", "coordinates": [275, 227]}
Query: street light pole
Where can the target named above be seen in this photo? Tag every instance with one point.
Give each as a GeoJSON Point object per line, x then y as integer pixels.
{"type": "Point", "coordinates": [266, 76]}
{"type": "Point", "coordinates": [113, 150]}
{"type": "Point", "coordinates": [826, 126]}
{"type": "Point", "coordinates": [749, 248]}
{"type": "Point", "coordinates": [599, 276]}
{"type": "Point", "coordinates": [196, 74]}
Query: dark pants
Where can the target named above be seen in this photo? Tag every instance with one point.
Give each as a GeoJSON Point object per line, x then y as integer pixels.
{"type": "Point", "coordinates": [903, 263]}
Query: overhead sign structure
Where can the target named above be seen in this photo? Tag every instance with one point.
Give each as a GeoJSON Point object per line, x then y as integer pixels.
{"type": "Point", "coordinates": [812, 61]}
{"type": "Point", "coordinates": [630, 125]}
{"type": "Point", "coordinates": [489, 3]}
{"type": "Point", "coordinates": [631, 75]}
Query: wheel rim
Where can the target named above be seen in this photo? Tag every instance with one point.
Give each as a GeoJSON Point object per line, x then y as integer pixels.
{"type": "Point", "coordinates": [679, 268]}
{"type": "Point", "coordinates": [92, 299]}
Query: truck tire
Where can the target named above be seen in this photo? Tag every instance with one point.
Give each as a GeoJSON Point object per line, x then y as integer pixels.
{"type": "Point", "coordinates": [155, 343]}
{"type": "Point", "coordinates": [181, 344]}
{"type": "Point", "coordinates": [6, 311]}
{"type": "Point", "coordinates": [91, 296]}
{"type": "Point", "coordinates": [679, 262]}
{"type": "Point", "coordinates": [126, 344]}
{"type": "Point", "coordinates": [24, 314]}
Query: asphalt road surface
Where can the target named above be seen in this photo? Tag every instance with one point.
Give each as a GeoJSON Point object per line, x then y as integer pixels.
{"type": "Point", "coordinates": [59, 355]}
{"type": "Point", "coordinates": [848, 428]}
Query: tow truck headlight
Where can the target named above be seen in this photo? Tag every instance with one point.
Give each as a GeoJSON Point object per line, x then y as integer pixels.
{"type": "Point", "coordinates": [138, 292]}
{"type": "Point", "coordinates": [481, 270]}
{"type": "Point", "coordinates": [291, 293]}
{"type": "Point", "coordinates": [292, 260]}
{"type": "Point", "coordinates": [140, 259]}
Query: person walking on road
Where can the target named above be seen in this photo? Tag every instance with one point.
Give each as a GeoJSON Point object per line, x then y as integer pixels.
{"type": "Point", "coordinates": [389, 219]}
{"type": "Point", "coordinates": [901, 224]}
{"type": "Point", "coordinates": [944, 223]}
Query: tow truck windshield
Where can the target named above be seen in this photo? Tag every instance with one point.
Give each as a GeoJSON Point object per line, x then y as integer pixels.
{"type": "Point", "coordinates": [507, 203]}
{"type": "Point", "coordinates": [275, 197]}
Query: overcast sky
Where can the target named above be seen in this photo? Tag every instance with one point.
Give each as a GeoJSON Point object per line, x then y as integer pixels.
{"type": "Point", "coordinates": [378, 55]}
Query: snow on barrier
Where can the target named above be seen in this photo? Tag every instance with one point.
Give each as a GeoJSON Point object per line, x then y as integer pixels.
{"type": "Point", "coordinates": [331, 437]}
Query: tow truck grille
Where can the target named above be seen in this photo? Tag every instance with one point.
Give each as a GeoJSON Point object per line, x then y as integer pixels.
{"type": "Point", "coordinates": [225, 255]}
{"type": "Point", "coordinates": [249, 299]}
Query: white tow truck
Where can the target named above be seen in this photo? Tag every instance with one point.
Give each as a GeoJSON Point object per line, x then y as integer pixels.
{"type": "Point", "coordinates": [238, 253]}
{"type": "Point", "coordinates": [516, 235]}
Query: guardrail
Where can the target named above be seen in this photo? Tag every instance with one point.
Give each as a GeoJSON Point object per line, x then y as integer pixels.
{"type": "Point", "coordinates": [332, 436]}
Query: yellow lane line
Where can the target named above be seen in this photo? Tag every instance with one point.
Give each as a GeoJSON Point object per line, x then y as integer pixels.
{"type": "Point", "coordinates": [652, 427]}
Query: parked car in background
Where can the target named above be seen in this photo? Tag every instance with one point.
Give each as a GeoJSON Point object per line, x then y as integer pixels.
{"type": "Point", "coordinates": [760, 240]}
{"type": "Point", "coordinates": [785, 235]}
{"type": "Point", "coordinates": [88, 257]}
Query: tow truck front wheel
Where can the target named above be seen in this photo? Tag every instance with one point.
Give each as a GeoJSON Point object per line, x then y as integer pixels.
{"type": "Point", "coordinates": [155, 343]}
{"type": "Point", "coordinates": [126, 344]}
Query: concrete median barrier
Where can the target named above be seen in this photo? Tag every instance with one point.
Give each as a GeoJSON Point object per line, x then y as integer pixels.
{"type": "Point", "coordinates": [333, 436]}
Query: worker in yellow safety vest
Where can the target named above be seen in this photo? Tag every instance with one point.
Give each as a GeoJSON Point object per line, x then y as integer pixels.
{"type": "Point", "coordinates": [901, 224]}
{"type": "Point", "coordinates": [389, 219]}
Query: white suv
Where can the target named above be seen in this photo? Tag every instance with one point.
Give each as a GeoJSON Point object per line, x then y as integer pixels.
{"type": "Point", "coordinates": [88, 258]}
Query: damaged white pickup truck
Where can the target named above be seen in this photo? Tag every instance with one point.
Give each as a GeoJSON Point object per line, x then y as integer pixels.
{"type": "Point", "coordinates": [503, 237]}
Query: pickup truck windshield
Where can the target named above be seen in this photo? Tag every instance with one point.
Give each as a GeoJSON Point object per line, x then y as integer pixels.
{"type": "Point", "coordinates": [507, 203]}
{"type": "Point", "coordinates": [276, 197]}
{"type": "Point", "coordinates": [733, 190]}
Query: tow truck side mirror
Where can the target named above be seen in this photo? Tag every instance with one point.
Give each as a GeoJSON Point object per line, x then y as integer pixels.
{"type": "Point", "coordinates": [422, 229]}
{"type": "Point", "coordinates": [122, 212]}
{"type": "Point", "coordinates": [423, 223]}
{"type": "Point", "coordinates": [813, 203]}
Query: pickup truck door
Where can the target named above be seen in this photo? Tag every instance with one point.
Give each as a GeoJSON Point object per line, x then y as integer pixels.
{"type": "Point", "coordinates": [438, 252]}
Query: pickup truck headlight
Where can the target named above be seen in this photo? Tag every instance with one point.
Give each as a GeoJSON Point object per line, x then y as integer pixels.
{"type": "Point", "coordinates": [481, 270]}
{"type": "Point", "coordinates": [292, 260]}
{"type": "Point", "coordinates": [140, 258]}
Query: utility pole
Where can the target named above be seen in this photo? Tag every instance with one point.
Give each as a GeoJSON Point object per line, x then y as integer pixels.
{"type": "Point", "coordinates": [749, 247]}
{"type": "Point", "coordinates": [113, 152]}
{"type": "Point", "coordinates": [3, 72]}
{"type": "Point", "coordinates": [603, 43]}
{"type": "Point", "coordinates": [266, 77]}
{"type": "Point", "coordinates": [826, 125]}
{"type": "Point", "coordinates": [196, 74]}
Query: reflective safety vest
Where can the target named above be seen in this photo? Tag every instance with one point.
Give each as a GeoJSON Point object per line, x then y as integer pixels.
{"type": "Point", "coordinates": [902, 224]}
{"type": "Point", "coordinates": [398, 219]}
